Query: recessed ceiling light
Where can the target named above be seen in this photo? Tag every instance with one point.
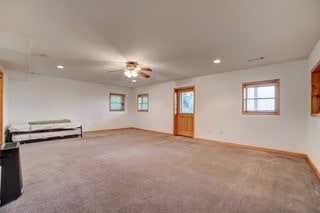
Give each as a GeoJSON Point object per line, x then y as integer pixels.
{"type": "Point", "coordinates": [60, 67]}
{"type": "Point", "coordinates": [216, 61]}
{"type": "Point", "coordinates": [134, 81]}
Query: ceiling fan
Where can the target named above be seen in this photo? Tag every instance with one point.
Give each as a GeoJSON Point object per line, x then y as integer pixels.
{"type": "Point", "coordinates": [132, 70]}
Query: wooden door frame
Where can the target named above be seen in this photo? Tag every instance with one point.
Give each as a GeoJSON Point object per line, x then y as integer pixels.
{"type": "Point", "coordinates": [175, 98]}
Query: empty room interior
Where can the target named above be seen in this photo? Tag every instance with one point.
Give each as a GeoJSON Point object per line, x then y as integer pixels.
{"type": "Point", "coordinates": [160, 106]}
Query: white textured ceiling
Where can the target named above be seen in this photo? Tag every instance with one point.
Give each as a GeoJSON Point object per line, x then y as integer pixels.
{"type": "Point", "coordinates": [176, 38]}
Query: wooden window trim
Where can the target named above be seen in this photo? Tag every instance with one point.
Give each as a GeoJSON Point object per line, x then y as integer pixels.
{"type": "Point", "coordinates": [142, 95]}
{"type": "Point", "coordinates": [123, 102]}
{"type": "Point", "coordinates": [315, 99]}
{"type": "Point", "coordinates": [277, 97]}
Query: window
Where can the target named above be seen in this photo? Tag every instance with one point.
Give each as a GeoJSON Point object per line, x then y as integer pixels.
{"type": "Point", "coordinates": [143, 103]}
{"type": "Point", "coordinates": [186, 101]}
{"type": "Point", "coordinates": [261, 97]}
{"type": "Point", "coordinates": [116, 102]}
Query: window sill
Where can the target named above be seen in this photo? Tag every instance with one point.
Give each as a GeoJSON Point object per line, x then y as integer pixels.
{"type": "Point", "coordinates": [261, 113]}
{"type": "Point", "coordinates": [315, 114]}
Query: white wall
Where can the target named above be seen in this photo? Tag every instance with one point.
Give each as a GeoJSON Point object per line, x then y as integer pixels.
{"type": "Point", "coordinates": [313, 143]}
{"type": "Point", "coordinates": [5, 104]}
{"type": "Point", "coordinates": [5, 100]}
{"type": "Point", "coordinates": [34, 97]}
{"type": "Point", "coordinates": [218, 105]}
{"type": "Point", "coordinates": [218, 108]}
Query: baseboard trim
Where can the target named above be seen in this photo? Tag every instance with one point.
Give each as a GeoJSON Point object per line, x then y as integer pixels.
{"type": "Point", "coordinates": [107, 130]}
{"type": "Point", "coordinates": [153, 131]}
{"type": "Point", "coordinates": [275, 151]}
{"type": "Point", "coordinates": [313, 166]}
{"type": "Point", "coordinates": [124, 128]}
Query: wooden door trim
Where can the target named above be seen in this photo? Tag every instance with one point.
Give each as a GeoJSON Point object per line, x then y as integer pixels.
{"type": "Point", "coordinates": [175, 98]}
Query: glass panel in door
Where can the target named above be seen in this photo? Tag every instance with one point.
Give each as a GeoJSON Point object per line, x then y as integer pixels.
{"type": "Point", "coordinates": [186, 102]}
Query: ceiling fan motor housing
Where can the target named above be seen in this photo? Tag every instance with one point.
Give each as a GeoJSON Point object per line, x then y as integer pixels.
{"type": "Point", "coordinates": [132, 65]}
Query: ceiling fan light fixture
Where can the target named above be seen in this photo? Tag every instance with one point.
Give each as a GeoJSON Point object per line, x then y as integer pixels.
{"type": "Point", "coordinates": [134, 74]}
{"type": "Point", "coordinates": [132, 70]}
{"type": "Point", "coordinates": [216, 61]}
{"type": "Point", "coordinates": [128, 73]}
{"type": "Point", "coordinates": [131, 73]}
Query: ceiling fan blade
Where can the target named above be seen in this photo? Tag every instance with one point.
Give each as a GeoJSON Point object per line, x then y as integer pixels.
{"type": "Point", "coordinates": [144, 75]}
{"type": "Point", "coordinates": [113, 71]}
{"type": "Point", "coordinates": [146, 69]}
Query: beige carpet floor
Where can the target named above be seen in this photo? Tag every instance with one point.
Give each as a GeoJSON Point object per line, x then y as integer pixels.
{"type": "Point", "coordinates": [137, 171]}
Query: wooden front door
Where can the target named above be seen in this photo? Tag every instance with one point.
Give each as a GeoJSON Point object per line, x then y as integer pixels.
{"type": "Point", "coordinates": [184, 112]}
